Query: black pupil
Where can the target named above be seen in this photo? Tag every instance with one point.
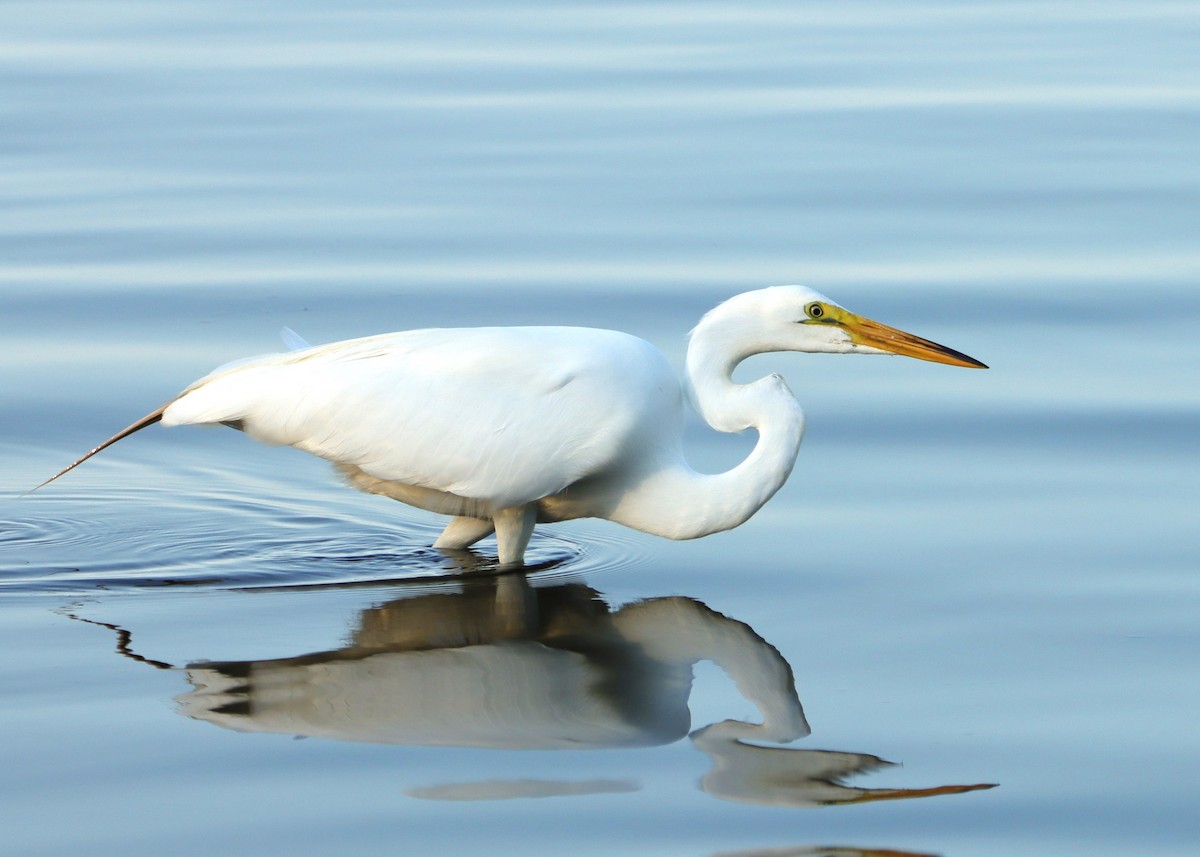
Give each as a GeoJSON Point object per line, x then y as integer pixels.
{"type": "Point", "coordinates": [816, 312]}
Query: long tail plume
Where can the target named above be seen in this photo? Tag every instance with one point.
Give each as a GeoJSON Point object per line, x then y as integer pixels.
{"type": "Point", "coordinates": [148, 420]}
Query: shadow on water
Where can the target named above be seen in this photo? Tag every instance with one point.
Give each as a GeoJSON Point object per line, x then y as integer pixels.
{"type": "Point", "coordinates": [506, 662]}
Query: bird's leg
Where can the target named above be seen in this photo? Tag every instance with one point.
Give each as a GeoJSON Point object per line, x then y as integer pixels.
{"type": "Point", "coordinates": [514, 526]}
{"type": "Point", "coordinates": [463, 532]}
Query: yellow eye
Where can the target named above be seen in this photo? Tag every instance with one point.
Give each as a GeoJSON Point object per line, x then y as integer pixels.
{"type": "Point", "coordinates": [815, 310]}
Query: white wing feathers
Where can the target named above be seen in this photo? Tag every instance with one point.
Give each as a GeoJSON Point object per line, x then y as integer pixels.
{"type": "Point", "coordinates": [507, 415]}
{"type": "Point", "coordinates": [293, 340]}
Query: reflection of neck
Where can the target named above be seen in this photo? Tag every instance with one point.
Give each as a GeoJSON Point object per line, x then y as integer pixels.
{"type": "Point", "coordinates": [683, 630]}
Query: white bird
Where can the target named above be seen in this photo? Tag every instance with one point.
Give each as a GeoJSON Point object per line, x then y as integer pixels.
{"type": "Point", "coordinates": [502, 428]}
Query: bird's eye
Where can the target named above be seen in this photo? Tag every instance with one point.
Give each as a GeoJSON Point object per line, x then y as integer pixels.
{"type": "Point", "coordinates": [815, 310]}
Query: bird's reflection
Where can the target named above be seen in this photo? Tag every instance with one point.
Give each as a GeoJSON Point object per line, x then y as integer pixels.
{"type": "Point", "coordinates": [500, 663]}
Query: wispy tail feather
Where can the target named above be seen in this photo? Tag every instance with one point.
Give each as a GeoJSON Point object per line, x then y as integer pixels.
{"type": "Point", "coordinates": [148, 420]}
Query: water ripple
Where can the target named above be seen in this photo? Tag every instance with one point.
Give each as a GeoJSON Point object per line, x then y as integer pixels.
{"type": "Point", "coordinates": [227, 538]}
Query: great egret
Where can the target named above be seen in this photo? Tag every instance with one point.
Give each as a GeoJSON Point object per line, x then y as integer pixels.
{"type": "Point", "coordinates": [503, 428]}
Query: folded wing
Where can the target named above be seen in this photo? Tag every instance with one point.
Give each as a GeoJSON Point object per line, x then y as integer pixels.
{"type": "Point", "coordinates": [507, 415]}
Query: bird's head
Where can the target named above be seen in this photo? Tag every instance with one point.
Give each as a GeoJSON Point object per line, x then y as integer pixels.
{"type": "Point", "coordinates": [797, 318]}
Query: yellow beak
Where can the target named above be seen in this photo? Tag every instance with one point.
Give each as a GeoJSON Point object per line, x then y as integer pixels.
{"type": "Point", "coordinates": [872, 333]}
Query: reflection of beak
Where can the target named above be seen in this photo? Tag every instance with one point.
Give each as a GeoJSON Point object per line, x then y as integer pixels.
{"type": "Point", "coordinates": [872, 333]}
{"type": "Point", "coordinates": [869, 795]}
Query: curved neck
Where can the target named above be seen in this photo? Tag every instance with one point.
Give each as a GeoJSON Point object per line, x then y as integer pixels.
{"type": "Point", "coordinates": [679, 503]}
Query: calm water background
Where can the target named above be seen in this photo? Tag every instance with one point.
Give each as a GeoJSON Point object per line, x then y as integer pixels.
{"type": "Point", "coordinates": [986, 577]}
